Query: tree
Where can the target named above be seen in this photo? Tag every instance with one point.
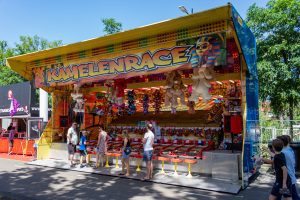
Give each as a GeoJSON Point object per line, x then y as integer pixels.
{"type": "Point", "coordinates": [27, 44]}
{"type": "Point", "coordinates": [111, 26]}
{"type": "Point", "coordinates": [31, 44]}
{"type": "Point", "coordinates": [277, 31]}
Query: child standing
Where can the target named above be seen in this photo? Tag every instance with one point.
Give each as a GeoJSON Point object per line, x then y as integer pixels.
{"type": "Point", "coordinates": [82, 149]}
{"type": "Point", "coordinates": [282, 185]}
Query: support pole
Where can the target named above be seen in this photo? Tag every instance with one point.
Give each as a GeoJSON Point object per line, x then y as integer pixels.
{"type": "Point", "coordinates": [44, 105]}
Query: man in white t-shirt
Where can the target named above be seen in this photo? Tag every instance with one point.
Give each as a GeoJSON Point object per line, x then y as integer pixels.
{"type": "Point", "coordinates": [72, 140]}
{"type": "Point", "coordinates": [148, 141]}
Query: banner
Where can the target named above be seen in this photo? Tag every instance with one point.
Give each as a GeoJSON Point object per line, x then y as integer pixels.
{"type": "Point", "coordinates": [15, 99]}
{"type": "Point", "coordinates": [120, 67]}
{"type": "Point", "coordinates": [184, 54]}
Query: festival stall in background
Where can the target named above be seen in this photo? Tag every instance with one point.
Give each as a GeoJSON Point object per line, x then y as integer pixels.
{"type": "Point", "coordinates": [15, 108]}
{"type": "Point", "coordinates": [194, 78]}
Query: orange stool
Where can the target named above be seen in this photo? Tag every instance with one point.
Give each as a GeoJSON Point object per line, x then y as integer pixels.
{"type": "Point", "coordinates": [175, 161]}
{"type": "Point", "coordinates": [163, 160]}
{"type": "Point", "coordinates": [189, 162]}
{"type": "Point", "coordinates": [117, 158]}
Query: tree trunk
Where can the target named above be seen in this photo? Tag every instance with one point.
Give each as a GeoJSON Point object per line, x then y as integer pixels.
{"type": "Point", "coordinates": [291, 115]}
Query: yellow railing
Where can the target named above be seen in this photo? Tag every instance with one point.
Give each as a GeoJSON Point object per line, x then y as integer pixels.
{"type": "Point", "coordinates": [44, 143]}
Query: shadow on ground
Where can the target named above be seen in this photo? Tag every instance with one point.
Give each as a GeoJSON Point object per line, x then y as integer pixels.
{"type": "Point", "coordinates": [34, 182]}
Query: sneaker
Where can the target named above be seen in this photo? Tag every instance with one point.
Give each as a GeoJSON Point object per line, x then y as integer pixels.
{"type": "Point", "coordinates": [81, 166]}
{"type": "Point", "coordinates": [95, 167]}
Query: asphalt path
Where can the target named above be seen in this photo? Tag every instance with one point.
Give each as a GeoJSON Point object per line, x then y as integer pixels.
{"type": "Point", "coordinates": [21, 181]}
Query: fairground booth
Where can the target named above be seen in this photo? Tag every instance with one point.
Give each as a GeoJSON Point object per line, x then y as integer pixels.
{"type": "Point", "coordinates": [194, 78]}
{"type": "Point", "coordinates": [16, 102]}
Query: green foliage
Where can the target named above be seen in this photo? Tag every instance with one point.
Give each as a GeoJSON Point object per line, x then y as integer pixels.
{"type": "Point", "coordinates": [7, 76]}
{"type": "Point", "coordinates": [277, 30]}
{"type": "Point", "coordinates": [27, 44]}
{"type": "Point", "coordinates": [31, 44]}
{"type": "Point", "coordinates": [111, 26]}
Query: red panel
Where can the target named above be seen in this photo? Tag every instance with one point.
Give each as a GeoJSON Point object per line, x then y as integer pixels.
{"type": "Point", "coordinates": [236, 123]}
{"type": "Point", "coordinates": [3, 145]}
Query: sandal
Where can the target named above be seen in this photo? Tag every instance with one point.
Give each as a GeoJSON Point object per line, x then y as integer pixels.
{"type": "Point", "coordinates": [145, 179]}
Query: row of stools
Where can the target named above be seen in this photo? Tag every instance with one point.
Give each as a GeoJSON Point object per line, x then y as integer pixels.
{"type": "Point", "coordinates": [139, 157]}
{"type": "Point", "coordinates": [176, 161]}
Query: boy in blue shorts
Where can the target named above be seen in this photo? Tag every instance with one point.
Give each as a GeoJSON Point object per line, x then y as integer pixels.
{"type": "Point", "coordinates": [82, 149]}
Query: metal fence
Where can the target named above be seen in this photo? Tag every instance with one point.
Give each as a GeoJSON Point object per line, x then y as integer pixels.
{"type": "Point", "coordinates": [270, 129]}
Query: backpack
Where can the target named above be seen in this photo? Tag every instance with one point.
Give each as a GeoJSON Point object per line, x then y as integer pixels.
{"type": "Point", "coordinates": [127, 150]}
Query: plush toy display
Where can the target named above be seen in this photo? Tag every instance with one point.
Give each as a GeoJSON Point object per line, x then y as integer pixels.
{"type": "Point", "coordinates": [201, 85]}
{"type": "Point", "coordinates": [110, 90]}
{"type": "Point", "coordinates": [174, 89]}
{"type": "Point", "coordinates": [157, 99]}
{"type": "Point", "coordinates": [207, 50]}
{"type": "Point", "coordinates": [146, 103]}
{"type": "Point", "coordinates": [119, 94]}
{"type": "Point", "coordinates": [131, 102]}
{"type": "Point", "coordinates": [79, 103]}
{"type": "Point", "coordinates": [190, 104]}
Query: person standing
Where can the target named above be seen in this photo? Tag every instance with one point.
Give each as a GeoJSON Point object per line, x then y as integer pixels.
{"type": "Point", "coordinates": [283, 184]}
{"type": "Point", "coordinates": [101, 147]}
{"type": "Point", "coordinates": [11, 137]}
{"type": "Point", "coordinates": [148, 141]}
{"type": "Point", "coordinates": [9, 127]}
{"type": "Point", "coordinates": [126, 151]}
{"type": "Point", "coordinates": [72, 140]}
{"type": "Point", "coordinates": [290, 163]}
{"type": "Point", "coordinates": [82, 149]}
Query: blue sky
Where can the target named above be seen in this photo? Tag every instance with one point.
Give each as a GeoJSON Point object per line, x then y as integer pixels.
{"type": "Point", "coordinates": [77, 20]}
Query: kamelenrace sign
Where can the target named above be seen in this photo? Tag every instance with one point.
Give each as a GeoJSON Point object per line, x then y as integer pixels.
{"type": "Point", "coordinates": [15, 99]}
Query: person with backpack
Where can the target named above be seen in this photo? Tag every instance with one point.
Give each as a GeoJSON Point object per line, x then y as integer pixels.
{"type": "Point", "coordinates": [126, 151]}
{"type": "Point", "coordinates": [72, 140]}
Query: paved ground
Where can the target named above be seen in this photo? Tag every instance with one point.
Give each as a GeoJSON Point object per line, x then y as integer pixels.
{"type": "Point", "coordinates": [21, 181]}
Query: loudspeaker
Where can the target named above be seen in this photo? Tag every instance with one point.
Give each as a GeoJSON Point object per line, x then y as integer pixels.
{"type": "Point", "coordinates": [63, 121]}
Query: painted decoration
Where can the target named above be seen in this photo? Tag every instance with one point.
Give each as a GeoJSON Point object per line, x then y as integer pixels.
{"type": "Point", "coordinates": [158, 61]}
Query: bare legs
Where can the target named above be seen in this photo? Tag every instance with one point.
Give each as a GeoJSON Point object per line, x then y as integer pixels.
{"type": "Point", "coordinates": [149, 169]}
{"type": "Point", "coordinates": [125, 164]}
{"type": "Point", "coordinates": [9, 150]}
{"type": "Point", "coordinates": [86, 160]}
{"type": "Point", "coordinates": [99, 160]}
{"type": "Point", "coordinates": [71, 158]}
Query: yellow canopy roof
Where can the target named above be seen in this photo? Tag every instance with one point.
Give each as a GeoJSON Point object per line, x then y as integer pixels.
{"type": "Point", "coordinates": [18, 63]}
